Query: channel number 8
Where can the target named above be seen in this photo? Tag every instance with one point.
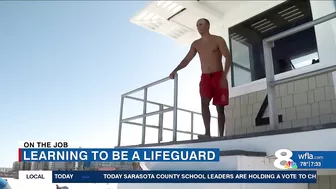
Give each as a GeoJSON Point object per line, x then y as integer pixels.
{"type": "Point", "coordinates": [281, 158]}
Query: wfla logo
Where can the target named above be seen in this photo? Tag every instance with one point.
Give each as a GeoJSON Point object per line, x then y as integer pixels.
{"type": "Point", "coordinates": [283, 159]}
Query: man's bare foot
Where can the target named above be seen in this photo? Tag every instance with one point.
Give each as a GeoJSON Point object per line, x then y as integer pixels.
{"type": "Point", "coordinates": [204, 136]}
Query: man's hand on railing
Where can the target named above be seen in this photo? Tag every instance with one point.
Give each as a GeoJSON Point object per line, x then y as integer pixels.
{"type": "Point", "coordinates": [172, 75]}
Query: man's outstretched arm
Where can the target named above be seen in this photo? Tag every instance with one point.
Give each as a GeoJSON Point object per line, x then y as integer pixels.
{"type": "Point", "coordinates": [191, 54]}
{"type": "Point", "coordinates": [226, 53]}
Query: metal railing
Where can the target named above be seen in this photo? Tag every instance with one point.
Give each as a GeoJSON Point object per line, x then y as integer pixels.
{"type": "Point", "coordinates": [268, 44]}
{"type": "Point", "coordinates": [163, 108]}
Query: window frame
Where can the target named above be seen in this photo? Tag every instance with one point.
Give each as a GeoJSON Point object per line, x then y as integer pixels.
{"type": "Point", "coordinates": [260, 84]}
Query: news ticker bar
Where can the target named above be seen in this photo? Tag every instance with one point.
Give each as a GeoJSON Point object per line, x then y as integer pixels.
{"type": "Point", "coordinates": [170, 176]}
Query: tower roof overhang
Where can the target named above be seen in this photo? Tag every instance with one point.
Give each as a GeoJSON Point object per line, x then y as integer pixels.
{"type": "Point", "coordinates": [177, 19]}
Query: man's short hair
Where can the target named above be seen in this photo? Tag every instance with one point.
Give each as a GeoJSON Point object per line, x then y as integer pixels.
{"type": "Point", "coordinates": [206, 20]}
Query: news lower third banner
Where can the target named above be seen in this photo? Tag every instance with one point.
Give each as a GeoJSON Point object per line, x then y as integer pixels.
{"type": "Point", "coordinates": [305, 159]}
{"type": "Point", "coordinates": [170, 176]}
{"type": "Point", "coordinates": [114, 155]}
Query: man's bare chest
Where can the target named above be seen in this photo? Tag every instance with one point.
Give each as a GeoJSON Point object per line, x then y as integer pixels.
{"type": "Point", "coordinates": [207, 48]}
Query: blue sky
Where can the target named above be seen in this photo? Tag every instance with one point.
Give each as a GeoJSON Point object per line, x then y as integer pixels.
{"type": "Point", "coordinates": [64, 65]}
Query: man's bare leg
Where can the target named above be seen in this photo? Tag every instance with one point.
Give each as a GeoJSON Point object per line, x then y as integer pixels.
{"type": "Point", "coordinates": [221, 120]}
{"type": "Point", "coordinates": [206, 117]}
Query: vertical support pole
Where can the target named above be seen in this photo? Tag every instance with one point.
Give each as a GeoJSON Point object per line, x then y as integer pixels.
{"type": "Point", "coordinates": [160, 124]}
{"type": "Point", "coordinates": [269, 69]}
{"type": "Point", "coordinates": [218, 130]}
{"type": "Point", "coordinates": [120, 119]}
{"type": "Point", "coordinates": [143, 139]}
{"type": "Point", "coordinates": [192, 126]}
{"type": "Point", "coordinates": [175, 108]}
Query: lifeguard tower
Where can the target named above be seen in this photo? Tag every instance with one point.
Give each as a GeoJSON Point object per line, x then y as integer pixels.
{"type": "Point", "coordinates": [282, 91]}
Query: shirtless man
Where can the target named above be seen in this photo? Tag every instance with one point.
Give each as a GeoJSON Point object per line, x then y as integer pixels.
{"type": "Point", "coordinates": [214, 84]}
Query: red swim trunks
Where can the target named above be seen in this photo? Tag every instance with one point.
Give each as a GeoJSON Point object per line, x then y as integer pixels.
{"type": "Point", "coordinates": [210, 88]}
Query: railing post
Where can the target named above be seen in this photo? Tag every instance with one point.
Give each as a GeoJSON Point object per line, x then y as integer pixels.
{"type": "Point", "coordinates": [120, 119]}
{"type": "Point", "coordinates": [175, 108]}
{"type": "Point", "coordinates": [269, 69]}
{"type": "Point", "coordinates": [192, 126]}
{"type": "Point", "coordinates": [143, 139]}
{"type": "Point", "coordinates": [160, 124]}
